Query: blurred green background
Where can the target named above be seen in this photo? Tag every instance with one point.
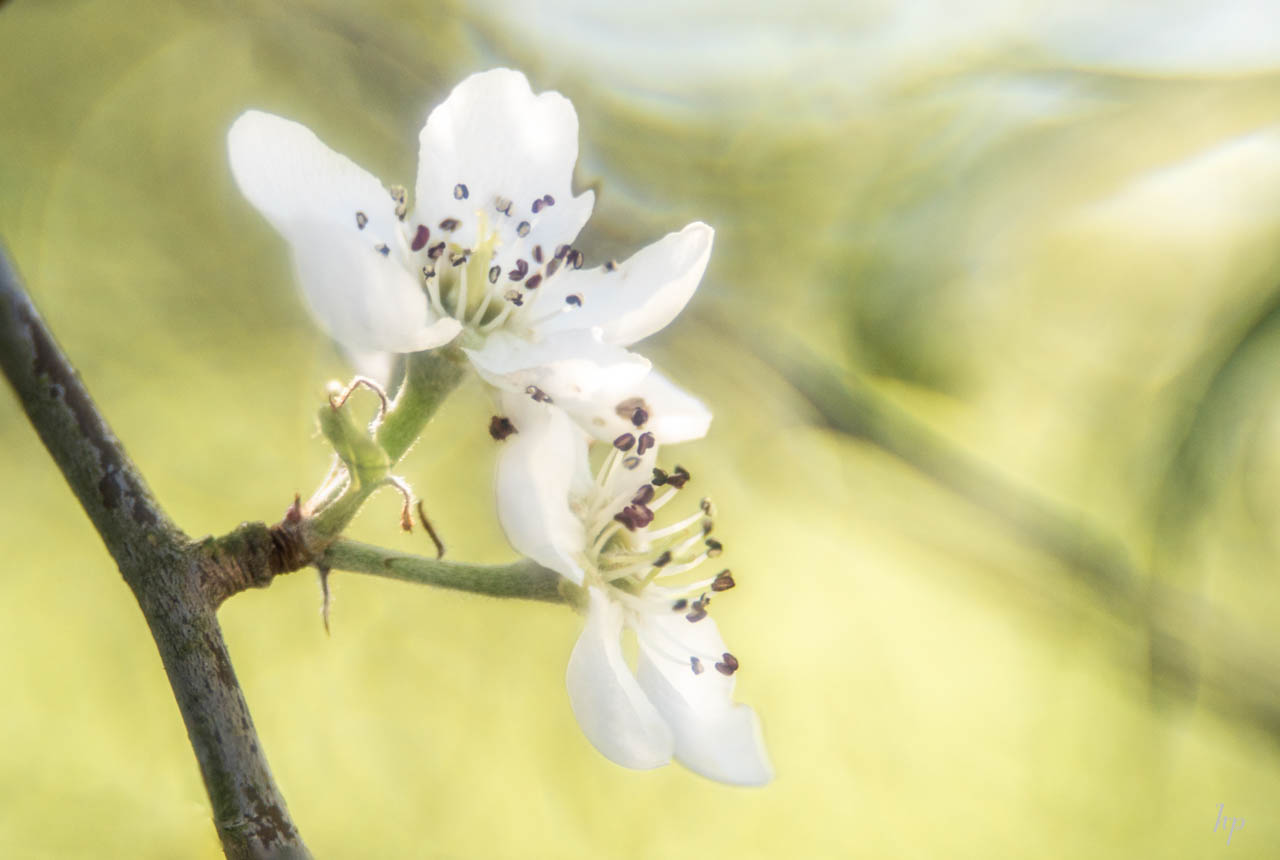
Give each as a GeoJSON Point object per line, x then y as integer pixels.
{"type": "Point", "coordinates": [991, 331]}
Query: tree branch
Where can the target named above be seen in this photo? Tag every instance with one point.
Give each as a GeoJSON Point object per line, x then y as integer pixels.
{"type": "Point", "coordinates": [177, 583]}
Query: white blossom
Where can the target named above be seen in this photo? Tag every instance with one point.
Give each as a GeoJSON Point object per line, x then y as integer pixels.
{"type": "Point", "coordinates": [483, 256]}
{"type": "Point", "coordinates": [628, 573]}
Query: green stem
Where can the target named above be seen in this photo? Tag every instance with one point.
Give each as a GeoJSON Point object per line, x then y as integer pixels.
{"type": "Point", "coordinates": [429, 378]}
{"type": "Point", "coordinates": [522, 579]}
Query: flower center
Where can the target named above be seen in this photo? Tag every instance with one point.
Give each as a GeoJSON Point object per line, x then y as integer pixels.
{"type": "Point", "coordinates": [497, 278]}
{"type": "Point", "coordinates": [647, 569]}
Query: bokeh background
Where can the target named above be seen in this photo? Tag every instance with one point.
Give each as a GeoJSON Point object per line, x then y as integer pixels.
{"type": "Point", "coordinates": [992, 333]}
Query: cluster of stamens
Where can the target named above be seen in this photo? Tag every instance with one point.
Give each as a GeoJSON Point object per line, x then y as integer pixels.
{"type": "Point", "coordinates": [483, 287]}
{"type": "Point", "coordinates": [643, 567]}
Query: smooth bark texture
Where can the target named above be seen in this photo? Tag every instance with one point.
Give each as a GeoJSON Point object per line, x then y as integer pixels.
{"type": "Point", "coordinates": [178, 583]}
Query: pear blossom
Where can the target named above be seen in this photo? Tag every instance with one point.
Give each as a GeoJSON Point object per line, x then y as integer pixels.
{"type": "Point", "coordinates": [483, 256]}
{"type": "Point", "coordinates": [627, 573]}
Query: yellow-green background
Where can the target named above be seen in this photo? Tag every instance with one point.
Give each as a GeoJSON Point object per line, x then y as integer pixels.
{"type": "Point", "coordinates": [1031, 259]}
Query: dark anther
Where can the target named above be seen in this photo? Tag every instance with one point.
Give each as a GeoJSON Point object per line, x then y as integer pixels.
{"type": "Point", "coordinates": [644, 495]}
{"type": "Point", "coordinates": [659, 477]}
{"type": "Point", "coordinates": [561, 250]}
{"type": "Point", "coordinates": [707, 527]}
{"type": "Point", "coordinates": [575, 258]}
{"type": "Point", "coordinates": [503, 205]}
{"type": "Point", "coordinates": [383, 250]}
{"type": "Point", "coordinates": [494, 271]}
{"type": "Point", "coordinates": [697, 612]}
{"type": "Point", "coordinates": [501, 427]}
{"type": "Point", "coordinates": [361, 220]}
{"type": "Point", "coordinates": [435, 251]}
{"type": "Point", "coordinates": [428, 272]}
{"type": "Point", "coordinates": [553, 267]}
{"type": "Point", "coordinates": [420, 238]}
{"type": "Point", "coordinates": [707, 507]}
{"type": "Point", "coordinates": [631, 462]}
{"type": "Point", "coordinates": [624, 442]}
{"type": "Point", "coordinates": [515, 297]}
{"type": "Point", "coordinates": [449, 224]}
{"type": "Point", "coordinates": [401, 197]}
{"type": "Point", "coordinates": [628, 407]}
{"type": "Point", "coordinates": [522, 229]}
{"type": "Point", "coordinates": [696, 665]}
{"type": "Point", "coordinates": [680, 605]}
{"type": "Point", "coordinates": [714, 547]}
{"type": "Point", "coordinates": [729, 665]}
{"type": "Point", "coordinates": [521, 269]}
{"type": "Point", "coordinates": [679, 478]}
{"type": "Point", "coordinates": [645, 442]}
{"type": "Point", "coordinates": [723, 581]}
{"type": "Point", "coordinates": [640, 417]}
{"type": "Point", "coordinates": [460, 192]}
{"type": "Point", "coordinates": [532, 283]}
{"type": "Point", "coordinates": [538, 395]}
{"type": "Point", "coordinates": [573, 299]}
{"type": "Point", "coordinates": [611, 266]}
{"type": "Point", "coordinates": [537, 206]}
{"type": "Point", "coordinates": [663, 560]}
{"type": "Point", "coordinates": [459, 258]}
{"type": "Point", "coordinates": [549, 200]}
{"type": "Point", "coordinates": [627, 516]}
{"type": "Point", "coordinates": [537, 253]}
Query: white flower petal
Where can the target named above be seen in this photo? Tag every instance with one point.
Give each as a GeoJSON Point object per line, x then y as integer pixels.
{"type": "Point", "coordinates": [535, 475]}
{"type": "Point", "coordinates": [674, 414]}
{"type": "Point", "coordinates": [290, 175]}
{"type": "Point", "coordinates": [611, 709]}
{"type": "Point", "coordinates": [496, 139]}
{"type": "Point", "coordinates": [641, 295]}
{"type": "Point", "coordinates": [366, 301]}
{"type": "Point", "coordinates": [571, 365]}
{"type": "Point", "coordinates": [713, 736]}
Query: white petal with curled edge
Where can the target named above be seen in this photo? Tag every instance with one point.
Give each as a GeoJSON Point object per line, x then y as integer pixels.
{"type": "Point", "coordinates": [366, 301]}
{"type": "Point", "coordinates": [497, 139]}
{"type": "Point", "coordinates": [674, 414]}
{"type": "Point", "coordinates": [535, 473]}
{"type": "Point", "coordinates": [608, 703]}
{"type": "Point", "coordinates": [713, 736]}
{"type": "Point", "coordinates": [641, 295]}
{"type": "Point", "coordinates": [571, 365]}
{"type": "Point", "coordinates": [290, 175]}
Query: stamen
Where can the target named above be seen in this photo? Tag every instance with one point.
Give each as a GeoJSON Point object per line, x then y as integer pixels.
{"type": "Point", "coordinates": [553, 267]}
{"type": "Point", "coordinates": [361, 220]}
{"type": "Point", "coordinates": [549, 200]}
{"type": "Point", "coordinates": [537, 253]}
{"type": "Point", "coordinates": [503, 205]}
{"type": "Point", "coordinates": [663, 560]}
{"type": "Point", "coordinates": [696, 665]}
{"type": "Point", "coordinates": [575, 259]}
{"type": "Point", "coordinates": [646, 440]}
{"type": "Point", "coordinates": [460, 192]}
{"type": "Point", "coordinates": [611, 266]}
{"type": "Point", "coordinates": [723, 581]}
{"type": "Point", "coordinates": [631, 462]}
{"type": "Point", "coordinates": [458, 259]}
{"type": "Point", "coordinates": [382, 249]}
{"type": "Point", "coordinates": [521, 269]}
{"type": "Point", "coordinates": [624, 442]}
{"type": "Point", "coordinates": [680, 605]}
{"type": "Point", "coordinates": [561, 251]}
{"type": "Point", "coordinates": [420, 238]}
{"type": "Point", "coordinates": [494, 272]}
{"type": "Point", "coordinates": [500, 427]}
{"type": "Point", "coordinates": [573, 299]}
{"type": "Point", "coordinates": [450, 224]}
{"type": "Point", "coordinates": [522, 229]}
{"type": "Point", "coordinates": [533, 282]}
{"type": "Point", "coordinates": [728, 666]}
{"type": "Point", "coordinates": [538, 395]}
{"type": "Point", "coordinates": [697, 612]}
{"type": "Point", "coordinates": [714, 548]}
{"type": "Point", "coordinates": [537, 206]}
{"type": "Point", "coordinates": [679, 478]}
{"type": "Point", "coordinates": [644, 495]}
{"type": "Point", "coordinates": [401, 197]}
{"type": "Point", "coordinates": [436, 251]}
